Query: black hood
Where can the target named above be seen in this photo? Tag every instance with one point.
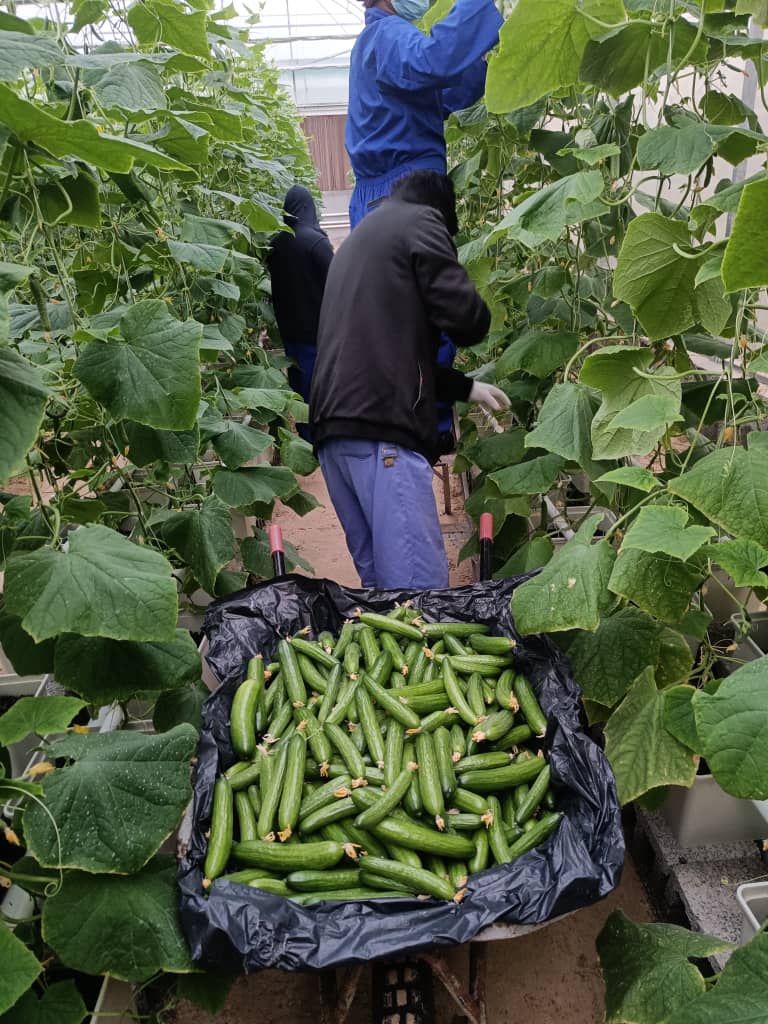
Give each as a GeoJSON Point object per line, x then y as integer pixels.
{"type": "Point", "coordinates": [300, 207]}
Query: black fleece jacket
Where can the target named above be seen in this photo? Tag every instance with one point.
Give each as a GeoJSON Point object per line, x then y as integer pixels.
{"type": "Point", "coordinates": [298, 265]}
{"type": "Point", "coordinates": [393, 286]}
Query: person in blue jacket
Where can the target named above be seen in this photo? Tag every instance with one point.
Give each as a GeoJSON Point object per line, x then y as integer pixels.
{"type": "Point", "coordinates": [404, 84]}
{"type": "Point", "coordinates": [402, 87]}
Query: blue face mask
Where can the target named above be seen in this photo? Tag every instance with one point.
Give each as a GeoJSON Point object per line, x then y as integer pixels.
{"type": "Point", "coordinates": [411, 10]}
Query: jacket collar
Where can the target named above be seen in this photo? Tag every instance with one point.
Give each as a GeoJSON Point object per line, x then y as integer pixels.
{"type": "Point", "coordinates": [372, 15]}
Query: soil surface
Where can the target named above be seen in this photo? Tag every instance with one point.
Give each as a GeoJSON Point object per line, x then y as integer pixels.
{"type": "Point", "coordinates": [551, 976]}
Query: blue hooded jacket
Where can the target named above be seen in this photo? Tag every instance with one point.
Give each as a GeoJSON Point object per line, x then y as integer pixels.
{"type": "Point", "coordinates": [404, 84]}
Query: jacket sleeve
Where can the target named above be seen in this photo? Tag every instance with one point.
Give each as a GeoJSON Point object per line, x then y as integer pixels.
{"type": "Point", "coordinates": [409, 61]}
{"type": "Point", "coordinates": [466, 92]}
{"type": "Point", "coordinates": [452, 302]}
{"type": "Point", "coordinates": [452, 385]}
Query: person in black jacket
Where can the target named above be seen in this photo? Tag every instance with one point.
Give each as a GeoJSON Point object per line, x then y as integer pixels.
{"type": "Point", "coordinates": [394, 285]}
{"type": "Point", "coordinates": [298, 265]}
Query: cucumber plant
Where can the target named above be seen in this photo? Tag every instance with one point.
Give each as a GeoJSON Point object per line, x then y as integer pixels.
{"type": "Point", "coordinates": [611, 189]}
{"type": "Point", "coordinates": [145, 149]}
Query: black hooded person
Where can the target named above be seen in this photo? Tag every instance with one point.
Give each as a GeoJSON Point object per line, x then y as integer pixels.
{"type": "Point", "coordinates": [298, 265]}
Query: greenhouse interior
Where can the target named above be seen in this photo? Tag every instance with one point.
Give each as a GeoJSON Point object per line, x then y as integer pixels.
{"type": "Point", "coordinates": [384, 512]}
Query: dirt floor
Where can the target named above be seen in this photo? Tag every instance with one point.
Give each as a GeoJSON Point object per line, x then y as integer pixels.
{"type": "Point", "coordinates": [551, 976]}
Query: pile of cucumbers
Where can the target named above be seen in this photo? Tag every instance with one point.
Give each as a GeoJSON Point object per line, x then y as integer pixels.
{"type": "Point", "coordinates": [389, 761]}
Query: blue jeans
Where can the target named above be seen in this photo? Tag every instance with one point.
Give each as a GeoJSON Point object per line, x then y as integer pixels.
{"type": "Point", "coordinates": [300, 376]}
{"type": "Point", "coordinates": [383, 497]}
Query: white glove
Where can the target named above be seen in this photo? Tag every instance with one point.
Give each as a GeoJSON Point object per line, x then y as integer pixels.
{"type": "Point", "coordinates": [489, 395]}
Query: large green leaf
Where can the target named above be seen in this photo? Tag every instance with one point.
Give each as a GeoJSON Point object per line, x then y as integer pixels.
{"type": "Point", "coordinates": [120, 797]}
{"type": "Point", "coordinates": [733, 727]}
{"type": "Point", "coordinates": [20, 968]}
{"type": "Point", "coordinates": [675, 150]}
{"type": "Point", "coordinates": [730, 487]}
{"type": "Point", "coordinates": [660, 585]}
{"type": "Point", "coordinates": [564, 425]}
{"type": "Point", "coordinates": [532, 555]}
{"type": "Point", "coordinates": [606, 663]}
{"type": "Point", "coordinates": [146, 445]}
{"type": "Point", "coordinates": [649, 414]}
{"type": "Point", "coordinates": [150, 374]}
{"type": "Point", "coordinates": [237, 443]}
{"type": "Point", "coordinates": [679, 718]}
{"type": "Point", "coordinates": [664, 529]}
{"type": "Point", "coordinates": [653, 279]}
{"type": "Point", "coordinates": [498, 450]}
{"type": "Point", "coordinates": [60, 1003]}
{"type": "Point", "coordinates": [613, 371]}
{"type": "Point", "coordinates": [22, 405]}
{"type": "Point", "coordinates": [102, 586]}
{"type": "Point", "coordinates": [203, 538]}
{"type": "Point", "coordinates": [542, 45]}
{"type": "Point", "coordinates": [537, 353]}
{"type": "Point", "coordinates": [79, 139]}
{"type": "Point", "coordinates": [131, 929]}
{"type": "Point", "coordinates": [647, 969]}
{"type": "Point", "coordinates": [258, 484]}
{"type": "Point", "coordinates": [642, 753]}
{"type": "Point", "coordinates": [544, 214]}
{"type": "Point", "coordinates": [210, 258]}
{"type": "Point", "coordinates": [156, 21]}
{"type": "Point", "coordinates": [571, 592]}
{"type": "Point", "coordinates": [631, 476]}
{"type": "Point", "coordinates": [103, 671]}
{"type": "Point", "coordinates": [620, 60]}
{"type": "Point", "coordinates": [533, 477]}
{"type": "Point", "coordinates": [26, 657]}
{"type": "Point", "coordinates": [212, 231]}
{"type": "Point", "coordinates": [743, 560]}
{"type": "Point", "coordinates": [745, 263]}
{"type": "Point", "coordinates": [257, 557]}
{"type": "Point", "coordinates": [32, 715]}
{"type": "Point", "coordinates": [19, 51]}
{"type": "Point", "coordinates": [175, 707]}
{"type": "Point", "coordinates": [134, 88]}
{"type": "Point", "coordinates": [739, 995]}
{"type": "Point", "coordinates": [73, 199]}
{"type": "Point", "coordinates": [296, 453]}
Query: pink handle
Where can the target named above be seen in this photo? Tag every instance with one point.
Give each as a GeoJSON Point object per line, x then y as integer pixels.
{"type": "Point", "coordinates": [486, 526]}
{"type": "Point", "coordinates": [275, 539]}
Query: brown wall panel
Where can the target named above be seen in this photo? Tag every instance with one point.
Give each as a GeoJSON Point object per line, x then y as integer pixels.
{"type": "Point", "coordinates": [325, 133]}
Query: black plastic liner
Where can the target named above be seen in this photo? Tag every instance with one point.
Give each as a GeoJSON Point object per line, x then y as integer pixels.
{"type": "Point", "coordinates": [239, 929]}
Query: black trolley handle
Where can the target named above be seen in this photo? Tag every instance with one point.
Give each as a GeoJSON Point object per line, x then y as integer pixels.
{"type": "Point", "coordinates": [277, 550]}
{"type": "Point", "coordinates": [486, 545]}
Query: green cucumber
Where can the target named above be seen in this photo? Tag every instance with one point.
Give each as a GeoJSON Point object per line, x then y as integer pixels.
{"type": "Point", "coordinates": [370, 726]}
{"type": "Point", "coordinates": [312, 651]}
{"type": "Point", "coordinates": [543, 828]}
{"type": "Point", "coordinates": [458, 873]}
{"type": "Point", "coordinates": [458, 629]}
{"type": "Point", "coordinates": [324, 795]}
{"type": "Point", "coordinates": [458, 742]}
{"type": "Point", "coordinates": [388, 801]}
{"type": "Point", "coordinates": [492, 780]}
{"type": "Point", "coordinates": [530, 706]}
{"type": "Point", "coordinates": [346, 694]}
{"type": "Point", "coordinates": [442, 741]}
{"type": "Point", "coordinates": [311, 729]}
{"type": "Point", "coordinates": [311, 674]}
{"type": "Point", "coordinates": [327, 640]}
{"type": "Point", "coordinates": [429, 776]}
{"type": "Point", "coordinates": [289, 856]}
{"type": "Point", "coordinates": [248, 875]}
{"type": "Point", "coordinates": [411, 654]}
{"type": "Point", "coordinates": [533, 797]}
{"type": "Point", "coordinates": [246, 778]}
{"type": "Point", "coordinates": [441, 718]}
{"type": "Point", "coordinates": [345, 639]}
{"type": "Point", "coordinates": [511, 739]}
{"type": "Point", "coordinates": [454, 691]}
{"type": "Point", "coordinates": [346, 896]}
{"type": "Point", "coordinates": [390, 704]}
{"type": "Point", "coordinates": [482, 644]}
{"type": "Point", "coordinates": [416, 880]}
{"type": "Point", "coordinates": [274, 886]}
{"type": "Point", "coordinates": [391, 646]}
{"type": "Point", "coordinates": [331, 693]}
{"type": "Point", "coordinates": [485, 664]}
{"type": "Point", "coordinates": [404, 856]}
{"type": "Point", "coordinates": [412, 801]}
{"type": "Point", "coordinates": [393, 752]}
{"type": "Point", "coordinates": [497, 838]}
{"type": "Point", "coordinates": [254, 795]}
{"type": "Point", "coordinates": [385, 624]}
{"type": "Point", "coordinates": [421, 838]}
{"type": "Point", "coordinates": [321, 881]}
{"type": "Point", "coordinates": [494, 727]}
{"type": "Point", "coordinates": [491, 759]}
{"type": "Point", "coordinates": [465, 822]}
{"type": "Point", "coordinates": [290, 798]}
{"type": "Point", "coordinates": [272, 778]}
{"type": "Point", "coordinates": [476, 694]}
{"type": "Point", "coordinates": [419, 669]}
{"type": "Point", "coordinates": [352, 659]}
{"type": "Point", "coordinates": [246, 819]}
{"type": "Point", "coordinates": [381, 669]}
{"type": "Point", "coordinates": [369, 646]}
{"type": "Point", "coordinates": [346, 749]}
{"type": "Point", "coordinates": [337, 811]}
{"type": "Point", "coordinates": [291, 674]}
{"type": "Point", "coordinates": [472, 803]}
{"type": "Point", "coordinates": [479, 859]}
{"type": "Point", "coordinates": [454, 646]}
{"type": "Point", "coordinates": [378, 881]}
{"type": "Point", "coordinates": [243, 712]}
{"type": "Point", "coordinates": [220, 836]}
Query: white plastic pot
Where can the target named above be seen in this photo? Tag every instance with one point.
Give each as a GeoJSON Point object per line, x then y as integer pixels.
{"type": "Point", "coordinates": [706, 814]}
{"type": "Point", "coordinates": [753, 900]}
